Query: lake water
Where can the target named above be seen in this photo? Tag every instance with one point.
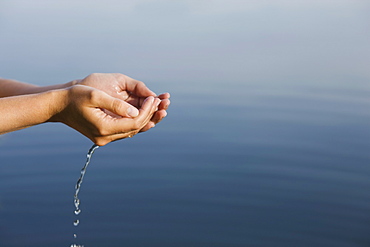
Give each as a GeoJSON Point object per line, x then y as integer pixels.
{"type": "Point", "coordinates": [266, 142]}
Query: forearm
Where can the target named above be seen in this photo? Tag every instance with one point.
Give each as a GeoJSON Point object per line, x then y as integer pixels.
{"type": "Point", "coordinates": [12, 87]}
{"type": "Point", "coordinates": [23, 111]}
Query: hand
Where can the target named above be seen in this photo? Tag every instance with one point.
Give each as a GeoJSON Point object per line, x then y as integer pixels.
{"type": "Point", "coordinates": [129, 90]}
{"type": "Point", "coordinates": [84, 112]}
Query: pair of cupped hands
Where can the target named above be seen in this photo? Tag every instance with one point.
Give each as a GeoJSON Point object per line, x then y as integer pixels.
{"type": "Point", "coordinates": [109, 107]}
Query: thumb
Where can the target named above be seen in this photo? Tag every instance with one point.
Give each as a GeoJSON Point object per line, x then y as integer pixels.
{"type": "Point", "coordinates": [116, 106]}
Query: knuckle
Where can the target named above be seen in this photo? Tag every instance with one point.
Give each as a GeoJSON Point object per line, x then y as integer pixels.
{"type": "Point", "coordinates": [94, 75]}
{"type": "Point", "coordinates": [101, 141]}
{"type": "Point", "coordinates": [116, 106]}
{"type": "Point", "coordinates": [137, 125]}
{"type": "Point", "coordinates": [90, 76]}
{"type": "Point", "coordinates": [102, 132]}
{"type": "Point", "coordinates": [119, 77]}
{"type": "Point", "coordinates": [94, 96]}
{"type": "Point", "coordinates": [140, 84]}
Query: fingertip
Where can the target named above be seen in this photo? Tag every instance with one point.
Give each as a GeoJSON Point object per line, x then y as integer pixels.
{"type": "Point", "coordinates": [150, 125]}
{"type": "Point", "coordinates": [152, 93]}
{"type": "Point", "coordinates": [132, 111]}
{"type": "Point", "coordinates": [165, 103]}
{"type": "Point", "coordinates": [147, 103]}
{"type": "Point", "coordinates": [143, 91]}
{"type": "Point", "coordinates": [149, 100]}
{"type": "Point", "coordinates": [164, 96]}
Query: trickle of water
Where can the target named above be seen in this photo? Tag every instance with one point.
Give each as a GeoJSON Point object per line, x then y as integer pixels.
{"type": "Point", "coordinates": [76, 200]}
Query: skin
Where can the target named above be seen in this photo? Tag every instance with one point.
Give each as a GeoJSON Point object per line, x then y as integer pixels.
{"type": "Point", "coordinates": [103, 107]}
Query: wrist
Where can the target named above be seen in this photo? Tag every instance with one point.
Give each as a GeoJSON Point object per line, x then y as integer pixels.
{"type": "Point", "coordinates": [58, 102]}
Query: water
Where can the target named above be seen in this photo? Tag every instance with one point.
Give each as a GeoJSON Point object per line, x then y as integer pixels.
{"type": "Point", "coordinates": [76, 200]}
{"type": "Point", "coordinates": [296, 173]}
{"type": "Point", "coordinates": [266, 142]}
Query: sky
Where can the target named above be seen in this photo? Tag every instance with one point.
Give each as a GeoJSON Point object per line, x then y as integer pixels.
{"type": "Point", "coordinates": [210, 40]}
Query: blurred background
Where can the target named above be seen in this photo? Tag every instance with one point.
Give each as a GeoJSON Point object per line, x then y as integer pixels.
{"type": "Point", "coordinates": [266, 142]}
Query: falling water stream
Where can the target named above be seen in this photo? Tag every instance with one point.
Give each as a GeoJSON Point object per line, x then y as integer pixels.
{"type": "Point", "coordinates": [77, 187]}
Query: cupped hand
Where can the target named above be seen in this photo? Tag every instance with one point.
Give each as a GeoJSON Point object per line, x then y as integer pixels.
{"type": "Point", "coordinates": [129, 90]}
{"type": "Point", "coordinates": [85, 112]}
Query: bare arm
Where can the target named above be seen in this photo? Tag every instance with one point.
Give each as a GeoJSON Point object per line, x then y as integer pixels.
{"type": "Point", "coordinates": [19, 112]}
{"type": "Point", "coordinates": [10, 87]}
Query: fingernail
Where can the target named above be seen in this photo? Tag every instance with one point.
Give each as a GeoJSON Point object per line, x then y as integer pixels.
{"type": "Point", "coordinates": [132, 112]}
{"type": "Point", "coordinates": [150, 99]}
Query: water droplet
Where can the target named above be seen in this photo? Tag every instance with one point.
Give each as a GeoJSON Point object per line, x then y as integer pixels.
{"type": "Point", "coordinates": [77, 211]}
{"type": "Point", "coordinates": [76, 222]}
{"type": "Point", "coordinates": [77, 202]}
{"type": "Point", "coordinates": [75, 235]}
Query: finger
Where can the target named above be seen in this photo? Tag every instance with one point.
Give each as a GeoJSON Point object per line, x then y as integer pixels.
{"type": "Point", "coordinates": [101, 141]}
{"type": "Point", "coordinates": [135, 100]}
{"type": "Point", "coordinates": [149, 117]}
{"type": "Point", "coordinates": [147, 127]}
{"type": "Point", "coordinates": [165, 103]}
{"type": "Point", "coordinates": [114, 105]}
{"type": "Point", "coordinates": [138, 87]}
{"type": "Point", "coordinates": [150, 105]}
{"type": "Point", "coordinates": [120, 126]}
{"type": "Point", "coordinates": [138, 101]}
{"type": "Point", "coordinates": [157, 117]}
{"type": "Point", "coordinates": [164, 96]}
